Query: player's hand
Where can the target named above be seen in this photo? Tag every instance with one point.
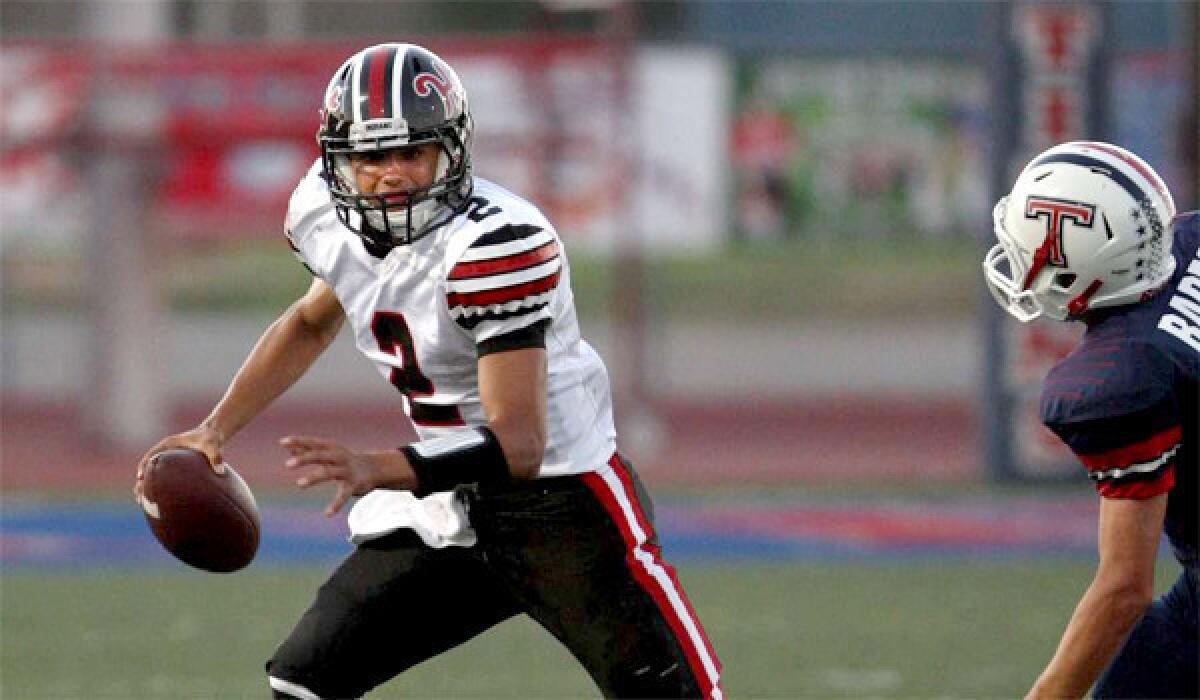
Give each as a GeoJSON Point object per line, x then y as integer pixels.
{"type": "Point", "coordinates": [203, 437]}
{"type": "Point", "coordinates": [355, 473]}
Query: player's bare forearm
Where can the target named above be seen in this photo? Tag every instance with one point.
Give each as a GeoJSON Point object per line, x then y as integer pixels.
{"type": "Point", "coordinates": [512, 389]}
{"type": "Point", "coordinates": [284, 352]}
{"type": "Point", "coordinates": [1099, 625]}
{"type": "Point", "coordinates": [282, 355]}
{"type": "Point", "coordinates": [1129, 531]}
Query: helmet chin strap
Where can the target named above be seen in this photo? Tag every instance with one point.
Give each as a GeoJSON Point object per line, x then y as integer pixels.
{"type": "Point", "coordinates": [1040, 257]}
{"type": "Point", "coordinates": [1079, 304]}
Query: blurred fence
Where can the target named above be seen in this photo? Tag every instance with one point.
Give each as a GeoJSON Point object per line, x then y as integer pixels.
{"type": "Point", "coordinates": [830, 197]}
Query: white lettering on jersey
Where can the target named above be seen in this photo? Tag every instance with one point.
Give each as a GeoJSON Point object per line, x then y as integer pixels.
{"type": "Point", "coordinates": [1185, 325]}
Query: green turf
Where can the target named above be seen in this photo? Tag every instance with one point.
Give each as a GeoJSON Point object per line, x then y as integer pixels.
{"type": "Point", "coordinates": [945, 629]}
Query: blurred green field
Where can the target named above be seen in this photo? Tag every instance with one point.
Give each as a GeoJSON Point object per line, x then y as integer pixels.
{"type": "Point", "coordinates": [950, 628]}
{"type": "Point", "coordinates": [899, 275]}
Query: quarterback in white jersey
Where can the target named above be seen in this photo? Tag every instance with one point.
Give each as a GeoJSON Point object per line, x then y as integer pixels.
{"type": "Point", "coordinates": [514, 499]}
{"type": "Point", "coordinates": [422, 312]}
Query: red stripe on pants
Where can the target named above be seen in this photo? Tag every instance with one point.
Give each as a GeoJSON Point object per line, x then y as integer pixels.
{"type": "Point", "coordinates": [642, 573]}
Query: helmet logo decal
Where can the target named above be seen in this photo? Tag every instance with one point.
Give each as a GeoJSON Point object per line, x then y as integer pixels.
{"type": "Point", "coordinates": [1056, 213]}
{"type": "Point", "coordinates": [333, 100]}
{"type": "Point", "coordinates": [426, 83]}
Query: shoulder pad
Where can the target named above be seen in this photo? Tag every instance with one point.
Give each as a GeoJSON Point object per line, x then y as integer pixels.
{"type": "Point", "coordinates": [1105, 380]}
{"type": "Point", "coordinates": [310, 201]}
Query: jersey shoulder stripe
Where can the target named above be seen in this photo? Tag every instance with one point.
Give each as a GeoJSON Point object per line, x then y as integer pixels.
{"type": "Point", "coordinates": [1139, 470]}
{"type": "Point", "coordinates": [1113, 463]}
{"type": "Point", "coordinates": [530, 311]}
{"type": "Point", "coordinates": [505, 263]}
{"type": "Point", "coordinates": [477, 302]}
{"type": "Point", "coordinates": [504, 274]}
{"type": "Point", "coordinates": [1128, 455]}
{"type": "Point", "coordinates": [508, 233]}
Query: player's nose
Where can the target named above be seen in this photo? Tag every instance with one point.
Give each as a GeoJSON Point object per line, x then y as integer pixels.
{"type": "Point", "coordinates": [396, 171]}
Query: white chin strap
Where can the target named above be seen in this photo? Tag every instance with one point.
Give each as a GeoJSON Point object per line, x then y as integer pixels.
{"type": "Point", "coordinates": [1020, 304]}
{"type": "Point", "coordinates": [422, 214]}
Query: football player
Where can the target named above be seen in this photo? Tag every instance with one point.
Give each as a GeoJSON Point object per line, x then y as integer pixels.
{"type": "Point", "coordinates": [514, 499]}
{"type": "Point", "coordinates": [1089, 233]}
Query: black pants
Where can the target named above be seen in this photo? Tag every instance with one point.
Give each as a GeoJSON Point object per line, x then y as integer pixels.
{"type": "Point", "coordinates": [1161, 657]}
{"type": "Point", "coordinates": [577, 554]}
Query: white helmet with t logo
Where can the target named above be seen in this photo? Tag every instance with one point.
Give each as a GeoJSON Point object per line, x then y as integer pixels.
{"type": "Point", "coordinates": [1086, 226]}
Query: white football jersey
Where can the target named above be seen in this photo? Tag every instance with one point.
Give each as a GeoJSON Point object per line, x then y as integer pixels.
{"type": "Point", "coordinates": [420, 314]}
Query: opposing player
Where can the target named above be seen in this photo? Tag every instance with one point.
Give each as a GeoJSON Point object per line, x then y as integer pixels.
{"type": "Point", "coordinates": [1089, 233]}
{"type": "Point", "coordinates": [514, 499]}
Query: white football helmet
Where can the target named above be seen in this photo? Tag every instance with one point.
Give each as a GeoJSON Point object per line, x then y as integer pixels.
{"type": "Point", "coordinates": [1086, 226]}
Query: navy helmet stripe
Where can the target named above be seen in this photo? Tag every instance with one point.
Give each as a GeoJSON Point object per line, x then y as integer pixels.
{"type": "Point", "coordinates": [1126, 183]}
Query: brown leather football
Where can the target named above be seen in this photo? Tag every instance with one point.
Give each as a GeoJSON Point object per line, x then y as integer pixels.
{"type": "Point", "coordinates": [208, 520]}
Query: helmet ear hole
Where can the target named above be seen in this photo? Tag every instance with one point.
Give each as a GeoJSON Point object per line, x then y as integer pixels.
{"type": "Point", "coordinates": [1065, 279]}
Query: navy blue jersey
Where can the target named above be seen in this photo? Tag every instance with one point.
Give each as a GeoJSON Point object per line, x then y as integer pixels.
{"type": "Point", "coordinates": [1125, 399]}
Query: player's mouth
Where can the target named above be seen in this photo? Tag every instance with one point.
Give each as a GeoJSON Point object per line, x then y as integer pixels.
{"type": "Point", "coordinates": [397, 198]}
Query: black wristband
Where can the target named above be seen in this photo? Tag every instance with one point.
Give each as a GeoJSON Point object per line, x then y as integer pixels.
{"type": "Point", "coordinates": [470, 457]}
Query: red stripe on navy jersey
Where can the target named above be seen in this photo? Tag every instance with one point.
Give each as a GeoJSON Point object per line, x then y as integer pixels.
{"type": "Point", "coordinates": [508, 263]}
{"type": "Point", "coordinates": [1140, 489]}
{"type": "Point", "coordinates": [1144, 451]}
{"type": "Point", "coordinates": [377, 66]}
{"type": "Point", "coordinates": [642, 575]}
{"type": "Point", "coordinates": [1145, 172]}
{"type": "Point", "coordinates": [502, 295]}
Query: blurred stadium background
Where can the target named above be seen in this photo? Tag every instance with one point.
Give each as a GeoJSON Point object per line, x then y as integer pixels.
{"type": "Point", "coordinates": [775, 213]}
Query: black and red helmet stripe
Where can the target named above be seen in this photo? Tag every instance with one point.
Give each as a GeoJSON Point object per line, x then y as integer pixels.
{"type": "Point", "coordinates": [375, 81]}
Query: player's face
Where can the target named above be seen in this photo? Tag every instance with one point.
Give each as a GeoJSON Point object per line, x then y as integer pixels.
{"type": "Point", "coordinates": [395, 170]}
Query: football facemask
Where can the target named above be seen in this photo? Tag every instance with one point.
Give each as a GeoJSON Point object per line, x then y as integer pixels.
{"type": "Point", "coordinates": [1003, 275]}
{"type": "Point", "coordinates": [396, 217]}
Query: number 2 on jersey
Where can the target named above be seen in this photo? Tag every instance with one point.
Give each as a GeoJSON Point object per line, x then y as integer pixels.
{"type": "Point", "coordinates": [392, 334]}
{"type": "Point", "coordinates": [479, 209]}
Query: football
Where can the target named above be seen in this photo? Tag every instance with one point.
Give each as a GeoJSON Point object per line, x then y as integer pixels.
{"type": "Point", "coordinates": [207, 520]}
